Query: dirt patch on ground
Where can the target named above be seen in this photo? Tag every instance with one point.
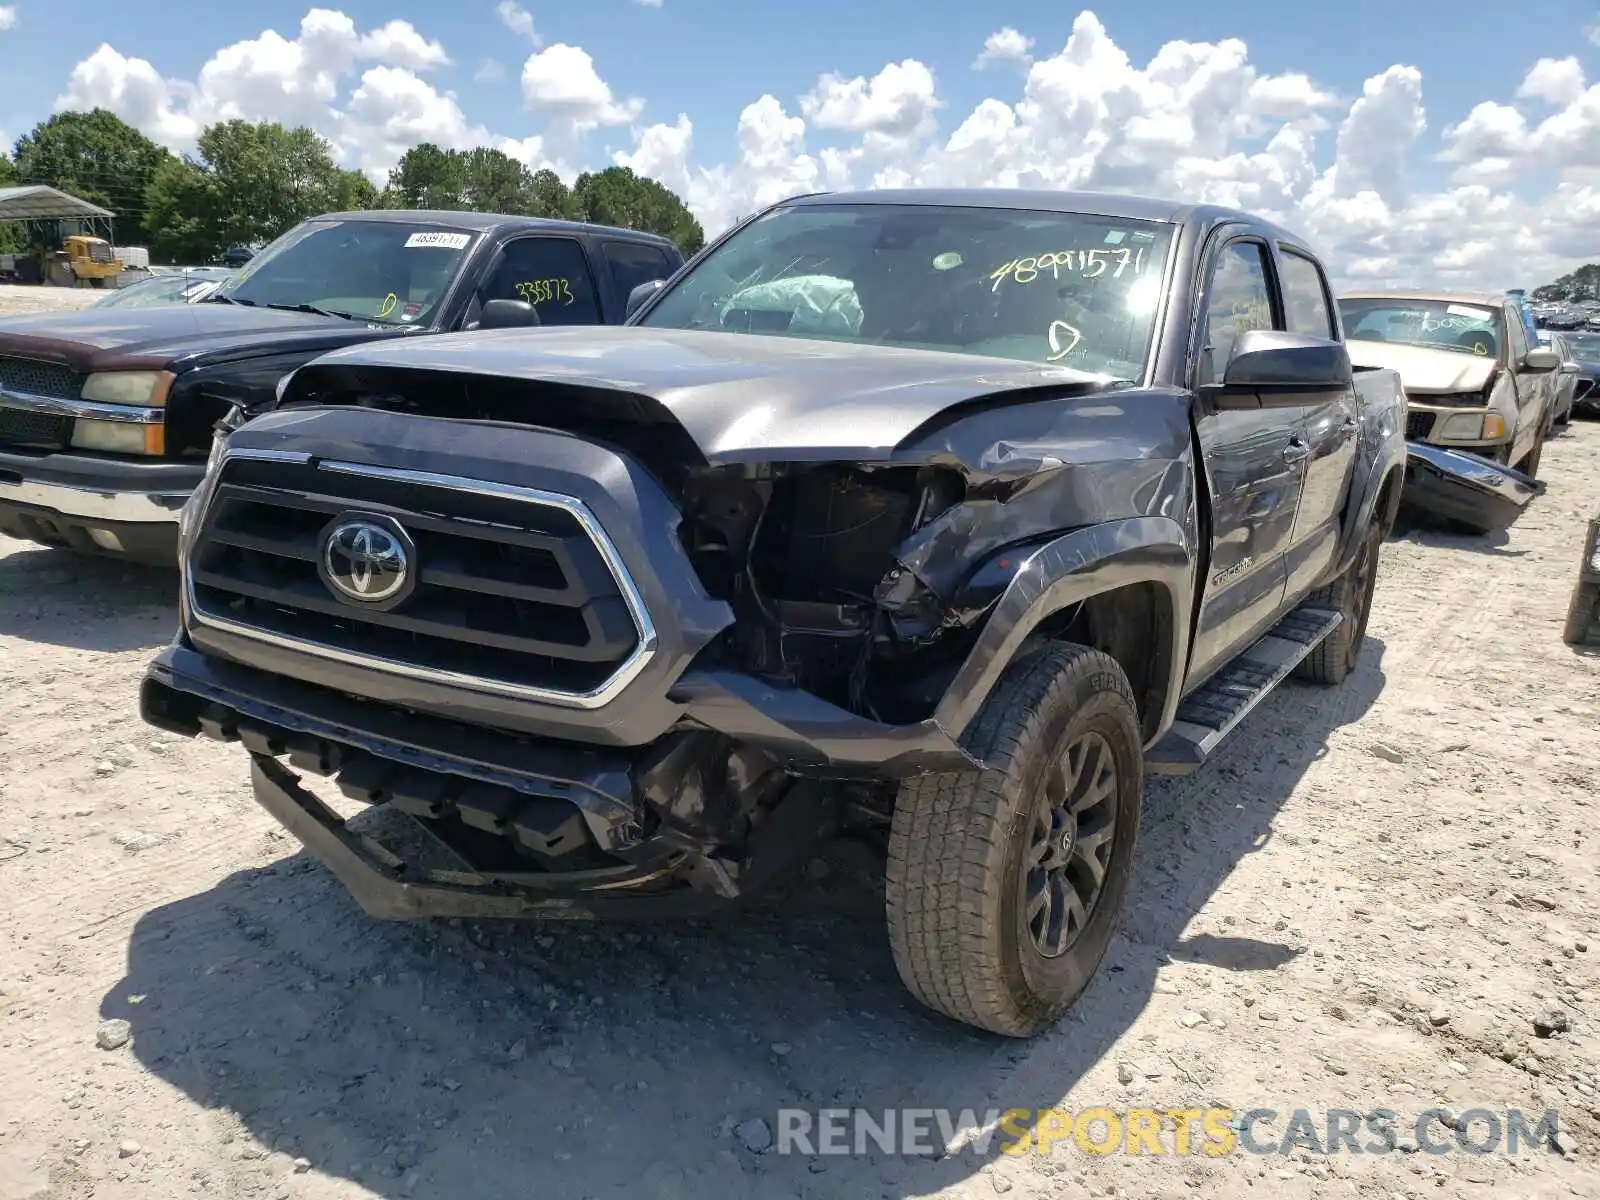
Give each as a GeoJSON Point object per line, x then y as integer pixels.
{"type": "Point", "coordinates": [18, 299]}
{"type": "Point", "coordinates": [1368, 902]}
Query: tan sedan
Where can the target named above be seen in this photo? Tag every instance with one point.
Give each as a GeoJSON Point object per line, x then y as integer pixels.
{"type": "Point", "coordinates": [1471, 377]}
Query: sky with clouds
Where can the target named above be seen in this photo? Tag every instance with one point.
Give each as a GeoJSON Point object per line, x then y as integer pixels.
{"type": "Point", "coordinates": [1411, 150]}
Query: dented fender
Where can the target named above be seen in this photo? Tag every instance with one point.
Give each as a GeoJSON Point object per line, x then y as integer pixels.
{"type": "Point", "coordinates": [1065, 571]}
{"type": "Point", "coordinates": [1380, 456]}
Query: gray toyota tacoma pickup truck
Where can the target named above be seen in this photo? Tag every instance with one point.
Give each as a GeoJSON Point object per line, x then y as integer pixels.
{"type": "Point", "coordinates": [941, 517]}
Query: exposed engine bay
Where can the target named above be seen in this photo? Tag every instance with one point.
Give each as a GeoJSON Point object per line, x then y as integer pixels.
{"type": "Point", "coordinates": [863, 583]}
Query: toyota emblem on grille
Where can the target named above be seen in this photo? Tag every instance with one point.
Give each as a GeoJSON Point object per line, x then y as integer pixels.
{"type": "Point", "coordinates": [367, 560]}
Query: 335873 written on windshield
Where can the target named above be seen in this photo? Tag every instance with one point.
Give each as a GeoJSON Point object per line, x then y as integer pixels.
{"type": "Point", "coordinates": [1091, 264]}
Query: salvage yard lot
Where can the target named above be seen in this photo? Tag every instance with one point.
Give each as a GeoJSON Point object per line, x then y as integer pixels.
{"type": "Point", "coordinates": [1364, 902]}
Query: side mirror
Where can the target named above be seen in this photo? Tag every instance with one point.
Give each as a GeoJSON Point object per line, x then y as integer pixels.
{"type": "Point", "coordinates": [1271, 368]}
{"type": "Point", "coordinates": [639, 295]}
{"type": "Point", "coordinates": [1541, 358]}
{"type": "Point", "coordinates": [507, 314]}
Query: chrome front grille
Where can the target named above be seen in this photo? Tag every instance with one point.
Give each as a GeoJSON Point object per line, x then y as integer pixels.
{"type": "Point", "coordinates": [511, 590]}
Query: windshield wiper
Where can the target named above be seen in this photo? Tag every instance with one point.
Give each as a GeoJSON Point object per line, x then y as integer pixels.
{"type": "Point", "coordinates": [218, 299]}
{"type": "Point", "coordinates": [312, 308]}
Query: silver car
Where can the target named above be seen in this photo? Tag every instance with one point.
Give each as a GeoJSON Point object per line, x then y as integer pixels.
{"type": "Point", "coordinates": [178, 287]}
{"type": "Point", "coordinates": [1565, 376]}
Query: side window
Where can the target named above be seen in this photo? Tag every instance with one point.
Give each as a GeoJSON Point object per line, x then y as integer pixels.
{"type": "Point", "coordinates": [550, 273]}
{"type": "Point", "coordinates": [1239, 301]}
{"type": "Point", "coordinates": [1519, 336]}
{"type": "Point", "coordinates": [1305, 296]}
{"type": "Point", "coordinates": [632, 263]}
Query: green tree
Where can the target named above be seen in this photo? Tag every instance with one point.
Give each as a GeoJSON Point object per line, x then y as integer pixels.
{"type": "Point", "coordinates": [8, 171]}
{"type": "Point", "coordinates": [271, 178]}
{"type": "Point", "coordinates": [354, 192]}
{"type": "Point", "coordinates": [1582, 284]}
{"type": "Point", "coordinates": [616, 196]}
{"type": "Point", "coordinates": [248, 184]}
{"type": "Point", "coordinates": [427, 177]}
{"type": "Point", "coordinates": [97, 157]}
{"type": "Point", "coordinates": [496, 182]}
{"type": "Point", "coordinates": [552, 199]}
{"type": "Point", "coordinates": [482, 180]}
{"type": "Point", "coordinates": [188, 212]}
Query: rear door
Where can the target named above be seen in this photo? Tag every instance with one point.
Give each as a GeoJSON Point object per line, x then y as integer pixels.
{"type": "Point", "coordinates": [632, 263]}
{"type": "Point", "coordinates": [1253, 458]}
{"type": "Point", "coordinates": [1328, 430]}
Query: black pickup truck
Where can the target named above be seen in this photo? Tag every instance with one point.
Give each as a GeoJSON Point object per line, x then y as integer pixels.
{"type": "Point", "coordinates": [106, 415]}
{"type": "Point", "coordinates": [942, 517]}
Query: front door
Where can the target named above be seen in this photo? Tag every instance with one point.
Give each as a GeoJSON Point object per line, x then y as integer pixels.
{"type": "Point", "coordinates": [1254, 463]}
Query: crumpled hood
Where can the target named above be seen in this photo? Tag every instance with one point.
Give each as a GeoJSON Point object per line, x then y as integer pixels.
{"type": "Point", "coordinates": [162, 336]}
{"type": "Point", "coordinates": [737, 395]}
{"type": "Point", "coordinates": [1424, 370]}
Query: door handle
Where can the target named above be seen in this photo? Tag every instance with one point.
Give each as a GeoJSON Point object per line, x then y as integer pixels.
{"type": "Point", "coordinates": [1296, 450]}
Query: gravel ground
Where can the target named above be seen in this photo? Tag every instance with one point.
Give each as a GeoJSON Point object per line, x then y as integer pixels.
{"type": "Point", "coordinates": [1368, 901]}
{"type": "Point", "coordinates": [16, 299]}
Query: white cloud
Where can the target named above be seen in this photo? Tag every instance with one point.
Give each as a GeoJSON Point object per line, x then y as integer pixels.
{"type": "Point", "coordinates": [1355, 166]}
{"type": "Point", "coordinates": [134, 90]}
{"type": "Point", "coordinates": [489, 71]}
{"type": "Point", "coordinates": [8, 16]}
{"type": "Point", "coordinates": [1004, 45]}
{"type": "Point", "coordinates": [364, 91]}
{"type": "Point", "coordinates": [648, 3]}
{"type": "Point", "coordinates": [399, 44]}
{"type": "Point", "coordinates": [1553, 80]}
{"type": "Point", "coordinates": [391, 110]}
{"type": "Point", "coordinates": [898, 102]}
{"type": "Point", "coordinates": [519, 20]}
{"type": "Point", "coordinates": [560, 82]}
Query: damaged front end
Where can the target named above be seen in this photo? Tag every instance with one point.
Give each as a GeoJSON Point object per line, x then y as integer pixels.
{"type": "Point", "coordinates": [623, 674]}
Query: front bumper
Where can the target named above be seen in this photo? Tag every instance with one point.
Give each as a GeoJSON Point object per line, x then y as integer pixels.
{"type": "Point", "coordinates": [526, 829]}
{"type": "Point", "coordinates": [96, 504]}
{"type": "Point", "coordinates": [1465, 487]}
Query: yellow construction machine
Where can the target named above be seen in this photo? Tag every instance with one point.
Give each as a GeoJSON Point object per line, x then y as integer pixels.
{"type": "Point", "coordinates": [82, 261]}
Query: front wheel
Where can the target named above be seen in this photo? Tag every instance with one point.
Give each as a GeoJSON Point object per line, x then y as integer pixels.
{"type": "Point", "coordinates": [1004, 882]}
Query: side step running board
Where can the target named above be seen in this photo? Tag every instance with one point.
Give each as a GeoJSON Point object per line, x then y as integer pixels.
{"type": "Point", "coordinates": [1213, 711]}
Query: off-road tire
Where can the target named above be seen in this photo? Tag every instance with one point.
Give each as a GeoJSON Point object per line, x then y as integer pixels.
{"type": "Point", "coordinates": [1351, 594]}
{"type": "Point", "coordinates": [957, 872]}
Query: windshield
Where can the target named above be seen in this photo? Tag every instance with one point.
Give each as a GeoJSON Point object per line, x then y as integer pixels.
{"type": "Point", "coordinates": [1585, 347]}
{"type": "Point", "coordinates": [394, 272]}
{"type": "Point", "coordinates": [1063, 288]}
{"type": "Point", "coordinates": [1438, 324]}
